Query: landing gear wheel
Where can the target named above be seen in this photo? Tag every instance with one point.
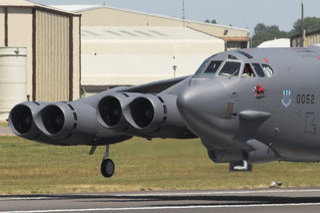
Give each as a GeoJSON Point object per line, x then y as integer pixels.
{"type": "Point", "coordinates": [107, 168]}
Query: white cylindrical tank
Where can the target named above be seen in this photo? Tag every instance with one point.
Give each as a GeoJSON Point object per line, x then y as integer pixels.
{"type": "Point", "coordinates": [13, 78]}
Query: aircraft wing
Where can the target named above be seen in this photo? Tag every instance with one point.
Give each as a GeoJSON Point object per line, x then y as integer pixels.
{"type": "Point", "coordinates": [155, 87]}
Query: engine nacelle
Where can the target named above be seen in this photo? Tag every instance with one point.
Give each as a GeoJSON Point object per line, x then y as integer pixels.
{"type": "Point", "coordinates": [76, 123]}
{"type": "Point", "coordinates": [157, 116]}
{"type": "Point", "coordinates": [22, 122]}
{"type": "Point", "coordinates": [147, 113]}
{"type": "Point", "coordinates": [111, 110]}
{"type": "Point", "coordinates": [58, 120]}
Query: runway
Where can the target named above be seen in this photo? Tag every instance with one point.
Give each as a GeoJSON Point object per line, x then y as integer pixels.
{"type": "Point", "coordinates": [267, 200]}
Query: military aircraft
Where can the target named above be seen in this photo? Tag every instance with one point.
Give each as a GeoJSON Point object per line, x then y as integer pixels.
{"type": "Point", "coordinates": [253, 105]}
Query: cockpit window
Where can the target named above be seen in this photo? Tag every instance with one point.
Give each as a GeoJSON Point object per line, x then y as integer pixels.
{"type": "Point", "coordinates": [248, 71]}
{"type": "Point", "coordinates": [230, 69]}
{"type": "Point", "coordinates": [232, 57]}
{"type": "Point", "coordinates": [245, 54]}
{"type": "Point", "coordinates": [267, 70]}
{"type": "Point", "coordinates": [258, 69]}
{"type": "Point", "coordinates": [202, 67]}
{"type": "Point", "coordinates": [213, 67]}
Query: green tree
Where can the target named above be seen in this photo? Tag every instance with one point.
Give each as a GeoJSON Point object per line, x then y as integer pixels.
{"type": "Point", "coordinates": [213, 21]}
{"type": "Point", "coordinates": [311, 24]}
{"type": "Point", "coordinates": [263, 33]}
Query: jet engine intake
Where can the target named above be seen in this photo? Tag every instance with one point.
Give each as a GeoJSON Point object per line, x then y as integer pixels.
{"type": "Point", "coordinates": [147, 113]}
{"type": "Point", "coordinates": [76, 123]}
{"type": "Point", "coordinates": [157, 116]}
{"type": "Point", "coordinates": [53, 119]}
{"type": "Point", "coordinates": [24, 123]}
{"type": "Point", "coordinates": [21, 119]}
{"type": "Point", "coordinates": [111, 110]}
{"type": "Point", "coordinates": [58, 120]}
{"type": "Point", "coordinates": [143, 112]}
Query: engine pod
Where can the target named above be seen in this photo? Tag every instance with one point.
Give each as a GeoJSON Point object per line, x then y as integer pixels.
{"type": "Point", "coordinates": [57, 120]}
{"type": "Point", "coordinates": [110, 110]}
{"type": "Point", "coordinates": [22, 119]}
{"type": "Point", "coordinates": [147, 113]}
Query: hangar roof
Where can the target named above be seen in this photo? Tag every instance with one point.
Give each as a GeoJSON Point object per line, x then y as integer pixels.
{"type": "Point", "coordinates": [17, 3]}
{"type": "Point", "coordinates": [77, 7]}
{"type": "Point", "coordinates": [25, 3]}
{"type": "Point", "coordinates": [143, 33]}
{"type": "Point", "coordinates": [81, 8]}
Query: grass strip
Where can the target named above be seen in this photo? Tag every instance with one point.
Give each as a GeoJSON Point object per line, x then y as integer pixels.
{"type": "Point", "coordinates": [28, 167]}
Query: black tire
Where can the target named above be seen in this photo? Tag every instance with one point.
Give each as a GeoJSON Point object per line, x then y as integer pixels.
{"type": "Point", "coordinates": [107, 168]}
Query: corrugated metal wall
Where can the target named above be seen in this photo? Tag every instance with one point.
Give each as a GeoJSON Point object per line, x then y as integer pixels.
{"type": "Point", "coordinates": [310, 39]}
{"type": "Point", "coordinates": [76, 57]}
{"type": "Point", "coordinates": [52, 56]}
{"type": "Point", "coordinates": [52, 39]}
{"type": "Point", "coordinates": [313, 39]}
{"type": "Point", "coordinates": [2, 27]}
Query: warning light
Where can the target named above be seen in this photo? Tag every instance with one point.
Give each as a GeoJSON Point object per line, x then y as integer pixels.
{"type": "Point", "coordinates": [266, 60]}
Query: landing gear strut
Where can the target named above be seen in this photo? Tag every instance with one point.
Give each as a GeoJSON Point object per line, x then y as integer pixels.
{"type": "Point", "coordinates": [107, 165]}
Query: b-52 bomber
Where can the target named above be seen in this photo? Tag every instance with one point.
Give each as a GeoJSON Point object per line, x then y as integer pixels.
{"type": "Point", "coordinates": [252, 105]}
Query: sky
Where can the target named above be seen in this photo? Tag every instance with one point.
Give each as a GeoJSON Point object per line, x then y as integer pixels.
{"type": "Point", "coordinates": [238, 13]}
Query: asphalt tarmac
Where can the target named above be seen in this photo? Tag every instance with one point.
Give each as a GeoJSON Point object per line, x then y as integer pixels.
{"type": "Point", "coordinates": [246, 201]}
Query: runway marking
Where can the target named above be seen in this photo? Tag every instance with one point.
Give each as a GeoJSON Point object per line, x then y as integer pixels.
{"type": "Point", "coordinates": [211, 193]}
{"type": "Point", "coordinates": [180, 193]}
{"type": "Point", "coordinates": [164, 207]}
{"type": "Point", "coordinates": [23, 198]}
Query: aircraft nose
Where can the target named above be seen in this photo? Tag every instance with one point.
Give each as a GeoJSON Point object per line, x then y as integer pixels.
{"type": "Point", "coordinates": [187, 101]}
{"type": "Point", "coordinates": [199, 101]}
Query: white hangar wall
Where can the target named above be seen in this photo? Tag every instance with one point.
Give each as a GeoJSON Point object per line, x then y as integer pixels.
{"type": "Point", "coordinates": [134, 55]}
{"type": "Point", "coordinates": [123, 47]}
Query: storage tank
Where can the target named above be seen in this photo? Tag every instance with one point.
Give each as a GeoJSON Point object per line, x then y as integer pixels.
{"type": "Point", "coordinates": [13, 78]}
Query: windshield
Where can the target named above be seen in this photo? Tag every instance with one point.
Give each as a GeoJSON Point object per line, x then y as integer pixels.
{"type": "Point", "coordinates": [247, 71]}
{"type": "Point", "coordinates": [230, 69]}
{"type": "Point", "coordinates": [258, 69]}
{"type": "Point", "coordinates": [202, 67]}
{"type": "Point", "coordinates": [212, 67]}
{"type": "Point", "coordinates": [267, 70]}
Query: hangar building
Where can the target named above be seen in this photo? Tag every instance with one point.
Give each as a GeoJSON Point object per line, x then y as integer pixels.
{"type": "Point", "coordinates": [52, 41]}
{"type": "Point", "coordinates": [101, 15]}
{"type": "Point", "coordinates": [311, 38]}
{"type": "Point", "coordinates": [121, 47]}
{"type": "Point", "coordinates": [135, 55]}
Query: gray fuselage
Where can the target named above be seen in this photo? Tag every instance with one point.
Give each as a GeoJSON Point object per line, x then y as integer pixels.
{"type": "Point", "coordinates": [281, 110]}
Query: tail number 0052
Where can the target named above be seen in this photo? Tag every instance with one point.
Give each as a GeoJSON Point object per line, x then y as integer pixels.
{"type": "Point", "coordinates": [305, 99]}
